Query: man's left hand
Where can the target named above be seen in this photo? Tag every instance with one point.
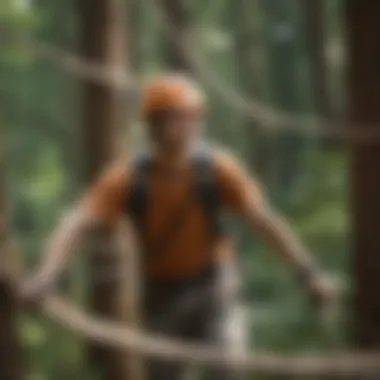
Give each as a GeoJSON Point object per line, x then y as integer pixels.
{"type": "Point", "coordinates": [321, 290]}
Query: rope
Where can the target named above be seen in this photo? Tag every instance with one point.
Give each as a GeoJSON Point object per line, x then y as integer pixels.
{"type": "Point", "coordinates": [84, 69]}
{"type": "Point", "coordinates": [269, 118]}
{"type": "Point", "coordinates": [347, 365]}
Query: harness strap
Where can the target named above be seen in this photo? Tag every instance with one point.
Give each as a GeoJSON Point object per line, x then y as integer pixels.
{"type": "Point", "coordinates": [205, 189]}
{"type": "Point", "coordinates": [139, 195]}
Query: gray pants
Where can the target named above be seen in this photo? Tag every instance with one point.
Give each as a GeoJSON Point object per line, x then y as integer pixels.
{"type": "Point", "coordinates": [203, 310]}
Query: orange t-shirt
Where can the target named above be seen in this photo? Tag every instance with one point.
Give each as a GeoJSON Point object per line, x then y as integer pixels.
{"type": "Point", "coordinates": [189, 251]}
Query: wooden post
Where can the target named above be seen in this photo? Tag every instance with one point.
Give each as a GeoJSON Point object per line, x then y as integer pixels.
{"type": "Point", "coordinates": [11, 367]}
{"type": "Point", "coordinates": [362, 19]}
{"type": "Point", "coordinates": [131, 291]}
{"type": "Point", "coordinates": [103, 42]}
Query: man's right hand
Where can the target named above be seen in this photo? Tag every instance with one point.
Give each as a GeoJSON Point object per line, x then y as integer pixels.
{"type": "Point", "coordinates": [72, 227]}
{"type": "Point", "coordinates": [321, 290]}
{"type": "Point", "coordinates": [34, 291]}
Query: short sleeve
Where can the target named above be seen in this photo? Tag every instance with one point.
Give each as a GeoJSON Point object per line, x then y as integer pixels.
{"type": "Point", "coordinates": [239, 192]}
{"type": "Point", "coordinates": [105, 200]}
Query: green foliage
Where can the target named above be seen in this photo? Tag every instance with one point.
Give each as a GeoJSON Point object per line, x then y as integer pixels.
{"type": "Point", "coordinates": [40, 104]}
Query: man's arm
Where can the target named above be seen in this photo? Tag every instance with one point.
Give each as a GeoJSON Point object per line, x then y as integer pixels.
{"type": "Point", "coordinates": [243, 197]}
{"type": "Point", "coordinates": [59, 250]}
{"type": "Point", "coordinates": [278, 236]}
{"type": "Point", "coordinates": [100, 207]}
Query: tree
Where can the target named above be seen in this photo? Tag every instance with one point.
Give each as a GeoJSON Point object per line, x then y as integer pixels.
{"type": "Point", "coordinates": [103, 36]}
{"type": "Point", "coordinates": [133, 34]}
{"type": "Point", "coordinates": [177, 13]}
{"type": "Point", "coordinates": [283, 47]}
{"type": "Point", "coordinates": [316, 42]}
{"type": "Point", "coordinates": [247, 51]}
{"type": "Point", "coordinates": [10, 354]}
{"type": "Point", "coordinates": [362, 18]}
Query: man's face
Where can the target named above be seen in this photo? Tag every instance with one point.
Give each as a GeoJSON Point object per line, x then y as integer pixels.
{"type": "Point", "coordinates": [175, 130]}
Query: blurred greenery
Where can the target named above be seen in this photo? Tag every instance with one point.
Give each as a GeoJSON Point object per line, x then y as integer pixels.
{"type": "Point", "coordinates": [39, 106]}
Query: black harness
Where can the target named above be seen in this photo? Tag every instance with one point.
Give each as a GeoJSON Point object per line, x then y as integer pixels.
{"type": "Point", "coordinates": [204, 187]}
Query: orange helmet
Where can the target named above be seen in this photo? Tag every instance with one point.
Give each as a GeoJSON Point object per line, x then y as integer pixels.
{"type": "Point", "coordinates": [172, 92]}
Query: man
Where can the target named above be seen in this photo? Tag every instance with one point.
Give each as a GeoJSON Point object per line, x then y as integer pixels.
{"type": "Point", "coordinates": [175, 194]}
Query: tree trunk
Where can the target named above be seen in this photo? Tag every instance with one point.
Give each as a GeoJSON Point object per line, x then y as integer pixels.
{"type": "Point", "coordinates": [103, 43]}
{"type": "Point", "coordinates": [134, 15]}
{"type": "Point", "coordinates": [246, 52]}
{"type": "Point", "coordinates": [177, 13]}
{"type": "Point", "coordinates": [283, 40]}
{"type": "Point", "coordinates": [316, 47]}
{"type": "Point", "coordinates": [362, 17]}
{"type": "Point", "coordinates": [316, 42]}
{"type": "Point", "coordinates": [103, 37]}
{"type": "Point", "coordinates": [11, 364]}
